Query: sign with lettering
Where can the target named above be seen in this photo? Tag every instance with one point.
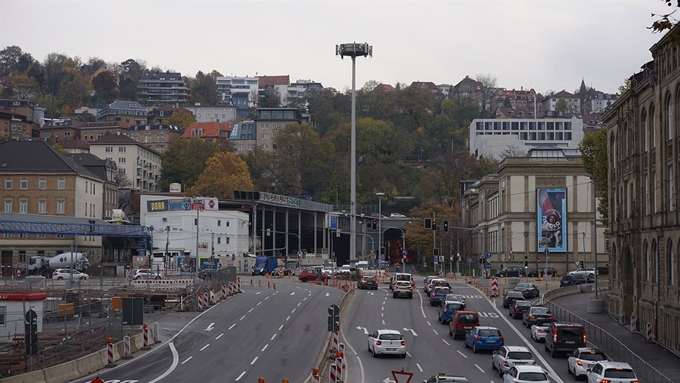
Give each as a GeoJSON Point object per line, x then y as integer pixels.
{"type": "Point", "coordinates": [279, 199]}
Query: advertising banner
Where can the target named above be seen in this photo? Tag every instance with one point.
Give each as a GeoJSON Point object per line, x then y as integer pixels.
{"type": "Point", "coordinates": [552, 219]}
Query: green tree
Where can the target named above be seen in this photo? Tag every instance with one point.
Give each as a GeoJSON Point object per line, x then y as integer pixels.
{"type": "Point", "coordinates": [328, 109]}
{"type": "Point", "coordinates": [182, 118]}
{"type": "Point", "coordinates": [507, 103]}
{"type": "Point", "coordinates": [262, 168]}
{"type": "Point", "coordinates": [203, 89]}
{"type": "Point", "coordinates": [418, 238]}
{"type": "Point", "coordinates": [185, 160]}
{"type": "Point", "coordinates": [75, 92]}
{"type": "Point", "coordinates": [128, 89]}
{"type": "Point", "coordinates": [625, 87]}
{"type": "Point", "coordinates": [224, 172]}
{"type": "Point", "coordinates": [24, 87]}
{"type": "Point", "coordinates": [593, 150]}
{"type": "Point", "coordinates": [269, 98]}
{"type": "Point", "coordinates": [9, 59]}
{"type": "Point", "coordinates": [561, 105]}
{"type": "Point", "coordinates": [50, 103]}
{"type": "Point", "coordinates": [105, 86]}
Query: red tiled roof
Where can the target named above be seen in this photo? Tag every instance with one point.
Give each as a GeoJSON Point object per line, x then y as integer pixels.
{"type": "Point", "coordinates": [385, 88]}
{"type": "Point", "coordinates": [265, 81]}
{"type": "Point", "coordinates": [210, 129]}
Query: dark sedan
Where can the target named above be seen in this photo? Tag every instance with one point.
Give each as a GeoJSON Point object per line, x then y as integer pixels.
{"type": "Point", "coordinates": [543, 270]}
{"type": "Point", "coordinates": [535, 314]}
{"type": "Point", "coordinates": [574, 279]}
{"type": "Point", "coordinates": [518, 308]}
{"type": "Point", "coordinates": [512, 296]}
{"type": "Point", "coordinates": [368, 283]}
{"type": "Point", "coordinates": [528, 289]}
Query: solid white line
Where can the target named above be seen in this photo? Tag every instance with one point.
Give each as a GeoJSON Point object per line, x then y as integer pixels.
{"type": "Point", "coordinates": [479, 368]}
{"type": "Point", "coordinates": [280, 327]}
{"type": "Point", "coordinates": [254, 360]}
{"type": "Point", "coordinates": [464, 356]}
{"type": "Point", "coordinates": [175, 362]}
{"type": "Point", "coordinates": [240, 376]}
{"type": "Point", "coordinates": [422, 310]}
{"type": "Point", "coordinates": [219, 336]}
{"type": "Point", "coordinates": [264, 348]}
{"type": "Point", "coordinates": [419, 368]}
{"type": "Point", "coordinates": [273, 336]}
{"type": "Point", "coordinates": [447, 343]}
{"type": "Point", "coordinates": [187, 359]}
{"type": "Point", "coordinates": [204, 347]}
{"type": "Point", "coordinates": [232, 326]}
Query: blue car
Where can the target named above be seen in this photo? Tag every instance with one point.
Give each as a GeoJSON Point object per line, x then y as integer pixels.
{"type": "Point", "coordinates": [437, 295]}
{"type": "Point", "coordinates": [447, 309]}
{"type": "Point", "coordinates": [484, 338]}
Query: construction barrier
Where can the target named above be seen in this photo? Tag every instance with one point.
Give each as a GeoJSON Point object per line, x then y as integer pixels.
{"type": "Point", "coordinates": [199, 300]}
{"type": "Point", "coordinates": [163, 284]}
{"type": "Point", "coordinates": [109, 354]}
{"type": "Point", "coordinates": [213, 298]}
{"type": "Point", "coordinates": [127, 354]}
{"type": "Point", "coordinates": [633, 323]}
{"type": "Point", "coordinates": [335, 340]}
{"type": "Point", "coordinates": [238, 285]}
{"type": "Point", "coordinates": [650, 332]}
{"type": "Point", "coordinates": [494, 288]}
{"type": "Point", "coordinates": [145, 331]}
{"type": "Point", "coordinates": [232, 288]}
{"type": "Point", "coordinates": [224, 290]}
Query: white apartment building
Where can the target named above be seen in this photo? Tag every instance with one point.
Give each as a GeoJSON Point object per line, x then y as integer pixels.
{"type": "Point", "coordinates": [549, 103]}
{"type": "Point", "coordinates": [141, 164]}
{"type": "Point", "coordinates": [223, 114]}
{"type": "Point", "coordinates": [490, 138]}
{"type": "Point", "coordinates": [237, 91]}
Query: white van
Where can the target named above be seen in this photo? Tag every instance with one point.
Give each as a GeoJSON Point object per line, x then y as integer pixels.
{"type": "Point", "coordinates": [362, 265]}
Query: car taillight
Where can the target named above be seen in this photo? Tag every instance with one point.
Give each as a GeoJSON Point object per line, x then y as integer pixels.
{"type": "Point", "coordinates": [505, 363]}
{"type": "Point", "coordinates": [579, 363]}
{"type": "Point", "coordinates": [605, 381]}
{"type": "Point", "coordinates": [479, 337]}
{"type": "Point", "coordinates": [550, 318]}
{"type": "Point", "coordinates": [532, 317]}
{"type": "Point", "coordinates": [403, 343]}
{"type": "Point", "coordinates": [540, 330]}
{"type": "Point", "coordinates": [501, 338]}
{"type": "Point", "coordinates": [584, 337]}
{"type": "Point", "coordinates": [433, 294]}
{"type": "Point", "coordinates": [516, 309]}
{"type": "Point", "coordinates": [377, 342]}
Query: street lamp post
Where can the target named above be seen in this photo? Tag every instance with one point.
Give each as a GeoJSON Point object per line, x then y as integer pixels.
{"type": "Point", "coordinates": [380, 242]}
{"type": "Point", "coordinates": [353, 50]}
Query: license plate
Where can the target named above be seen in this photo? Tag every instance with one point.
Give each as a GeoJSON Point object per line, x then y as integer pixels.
{"type": "Point", "coordinates": [468, 327]}
{"type": "Point", "coordinates": [391, 349]}
{"type": "Point", "coordinates": [519, 364]}
{"type": "Point", "coordinates": [570, 342]}
{"type": "Point", "coordinates": [490, 341]}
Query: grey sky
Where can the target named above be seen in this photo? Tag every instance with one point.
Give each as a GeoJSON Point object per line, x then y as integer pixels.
{"type": "Point", "coordinates": [540, 44]}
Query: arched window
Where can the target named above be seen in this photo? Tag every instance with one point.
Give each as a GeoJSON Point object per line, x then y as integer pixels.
{"type": "Point", "coordinates": [646, 267]}
{"type": "Point", "coordinates": [670, 116]}
{"type": "Point", "coordinates": [670, 264]}
{"type": "Point", "coordinates": [652, 119]}
{"type": "Point", "coordinates": [645, 132]}
{"type": "Point", "coordinates": [612, 269]}
{"type": "Point", "coordinates": [626, 140]}
{"type": "Point", "coordinates": [655, 259]}
{"type": "Point", "coordinates": [614, 151]}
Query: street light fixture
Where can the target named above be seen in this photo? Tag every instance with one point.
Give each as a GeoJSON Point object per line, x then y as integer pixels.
{"type": "Point", "coordinates": [353, 50]}
{"type": "Point", "coordinates": [380, 243]}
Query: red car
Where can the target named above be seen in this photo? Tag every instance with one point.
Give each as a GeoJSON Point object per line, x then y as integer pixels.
{"type": "Point", "coordinates": [311, 274]}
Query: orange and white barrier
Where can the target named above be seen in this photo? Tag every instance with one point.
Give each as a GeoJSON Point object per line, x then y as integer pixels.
{"type": "Point", "coordinates": [335, 340]}
{"type": "Point", "coordinates": [494, 288]}
{"type": "Point", "coordinates": [163, 284]}
{"type": "Point", "coordinates": [224, 290]}
{"type": "Point", "coordinates": [126, 347]}
{"type": "Point", "coordinates": [238, 285]}
{"type": "Point", "coordinates": [633, 324]}
{"type": "Point", "coordinates": [199, 300]}
{"type": "Point", "coordinates": [109, 353]}
{"type": "Point", "coordinates": [650, 332]}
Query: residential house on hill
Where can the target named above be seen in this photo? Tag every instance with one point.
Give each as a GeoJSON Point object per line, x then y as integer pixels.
{"type": "Point", "coordinates": [269, 120]}
{"type": "Point", "coordinates": [162, 88]}
{"type": "Point", "coordinates": [209, 131]}
{"type": "Point", "coordinates": [106, 170]}
{"type": "Point", "coordinates": [38, 179]}
{"type": "Point", "coordinates": [549, 103]}
{"type": "Point", "coordinates": [34, 113]}
{"type": "Point", "coordinates": [158, 137]}
{"type": "Point", "coordinates": [130, 112]}
{"type": "Point", "coordinates": [237, 91]}
{"type": "Point", "coordinates": [222, 113]}
{"type": "Point", "coordinates": [514, 99]}
{"type": "Point", "coordinates": [61, 129]}
{"type": "Point", "coordinates": [92, 131]}
{"type": "Point", "coordinates": [384, 88]}
{"type": "Point", "coordinates": [14, 126]}
{"type": "Point", "coordinates": [244, 136]}
{"type": "Point", "coordinates": [75, 146]}
{"type": "Point", "coordinates": [468, 90]}
{"type": "Point", "coordinates": [161, 114]}
{"type": "Point", "coordinates": [140, 164]}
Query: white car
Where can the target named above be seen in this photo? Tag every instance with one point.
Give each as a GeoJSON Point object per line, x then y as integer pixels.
{"type": "Point", "coordinates": [386, 342]}
{"type": "Point", "coordinates": [612, 372]}
{"type": "Point", "coordinates": [397, 215]}
{"type": "Point", "coordinates": [540, 329]}
{"type": "Point", "coordinates": [589, 273]}
{"type": "Point", "coordinates": [508, 357]}
{"type": "Point", "coordinates": [138, 274]}
{"type": "Point", "coordinates": [528, 374]}
{"type": "Point", "coordinates": [582, 359]}
{"type": "Point", "coordinates": [68, 274]}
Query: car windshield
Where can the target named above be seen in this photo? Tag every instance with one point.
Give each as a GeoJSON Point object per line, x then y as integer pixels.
{"type": "Point", "coordinates": [620, 373]}
{"type": "Point", "coordinates": [532, 377]}
{"type": "Point", "coordinates": [489, 332]}
{"type": "Point", "coordinates": [593, 356]}
{"type": "Point", "coordinates": [523, 285]}
{"type": "Point", "coordinates": [369, 279]}
{"type": "Point", "coordinates": [403, 277]}
{"type": "Point", "coordinates": [515, 294]}
{"type": "Point", "coordinates": [468, 318]}
{"type": "Point", "coordinates": [519, 355]}
{"type": "Point", "coordinates": [391, 337]}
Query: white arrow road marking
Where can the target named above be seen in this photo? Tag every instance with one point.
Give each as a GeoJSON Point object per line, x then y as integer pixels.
{"type": "Point", "coordinates": [413, 331]}
{"type": "Point", "coordinates": [175, 362]}
{"type": "Point", "coordinates": [362, 328]}
{"type": "Point", "coordinates": [388, 380]}
{"type": "Point", "coordinates": [210, 327]}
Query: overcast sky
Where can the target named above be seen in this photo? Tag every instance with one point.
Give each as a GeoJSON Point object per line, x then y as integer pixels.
{"type": "Point", "coordinates": [539, 44]}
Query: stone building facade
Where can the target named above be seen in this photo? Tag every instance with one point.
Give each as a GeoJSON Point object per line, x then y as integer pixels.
{"type": "Point", "coordinates": [643, 138]}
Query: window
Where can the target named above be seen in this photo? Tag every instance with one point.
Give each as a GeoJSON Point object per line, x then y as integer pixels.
{"type": "Point", "coordinates": [646, 263]}
{"type": "Point", "coordinates": [60, 206]}
{"type": "Point", "coordinates": [61, 183]}
{"type": "Point", "coordinates": [23, 183]}
{"type": "Point", "coordinates": [670, 264]}
{"type": "Point", "coordinates": [122, 149]}
{"type": "Point", "coordinates": [23, 206]}
{"type": "Point", "coordinates": [671, 188]}
{"type": "Point", "coordinates": [8, 206]}
{"type": "Point", "coordinates": [3, 315]}
{"type": "Point", "coordinates": [219, 240]}
{"type": "Point", "coordinates": [645, 132]}
{"type": "Point", "coordinates": [42, 206]}
{"type": "Point", "coordinates": [653, 131]}
{"type": "Point", "coordinates": [109, 149]}
{"type": "Point", "coordinates": [22, 256]}
{"type": "Point", "coordinates": [42, 183]}
{"type": "Point", "coordinates": [121, 160]}
{"type": "Point", "coordinates": [8, 183]}
{"type": "Point", "coordinates": [669, 112]}
{"type": "Point", "coordinates": [227, 240]}
{"type": "Point", "coordinates": [654, 181]}
{"type": "Point", "coordinates": [647, 196]}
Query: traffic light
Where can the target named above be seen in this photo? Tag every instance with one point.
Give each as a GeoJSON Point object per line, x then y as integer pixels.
{"type": "Point", "coordinates": [375, 224]}
{"type": "Point", "coordinates": [580, 264]}
{"type": "Point", "coordinates": [526, 264]}
{"type": "Point", "coordinates": [428, 223]}
{"type": "Point", "coordinates": [481, 259]}
{"type": "Point", "coordinates": [446, 225]}
{"type": "Point", "coordinates": [368, 224]}
{"type": "Point", "coordinates": [434, 225]}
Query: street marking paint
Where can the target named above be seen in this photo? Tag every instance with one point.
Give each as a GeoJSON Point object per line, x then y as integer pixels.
{"type": "Point", "coordinates": [419, 368]}
{"type": "Point", "coordinates": [265, 347]}
{"type": "Point", "coordinates": [292, 293]}
{"type": "Point", "coordinates": [259, 303]}
{"type": "Point", "coordinates": [273, 336]}
{"type": "Point", "coordinates": [175, 362]}
{"type": "Point", "coordinates": [243, 317]}
{"type": "Point", "coordinates": [464, 356]}
{"type": "Point", "coordinates": [251, 309]}
{"type": "Point", "coordinates": [479, 368]}
{"type": "Point", "coordinates": [219, 336]}
{"type": "Point", "coordinates": [187, 359]}
{"type": "Point", "coordinates": [447, 343]}
{"type": "Point", "coordinates": [280, 327]}
{"type": "Point", "coordinates": [287, 318]}
{"type": "Point", "coordinates": [204, 347]}
{"type": "Point", "coordinates": [240, 376]}
{"type": "Point", "coordinates": [232, 326]}
{"type": "Point", "coordinates": [254, 360]}
{"type": "Point", "coordinates": [292, 312]}
{"type": "Point", "coordinates": [488, 315]}
{"type": "Point", "coordinates": [435, 332]}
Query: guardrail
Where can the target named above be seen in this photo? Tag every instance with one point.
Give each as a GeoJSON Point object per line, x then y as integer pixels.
{"type": "Point", "coordinates": [601, 338]}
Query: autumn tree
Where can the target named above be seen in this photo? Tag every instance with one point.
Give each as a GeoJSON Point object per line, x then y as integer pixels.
{"type": "Point", "coordinates": [489, 84]}
{"type": "Point", "coordinates": [203, 89]}
{"type": "Point", "coordinates": [269, 98]}
{"type": "Point", "coordinates": [185, 160]}
{"type": "Point", "coordinates": [24, 87]}
{"type": "Point", "coordinates": [418, 238]}
{"type": "Point", "coordinates": [9, 59]}
{"type": "Point", "coordinates": [561, 105]}
{"type": "Point", "coordinates": [75, 92]}
{"type": "Point", "coordinates": [262, 168]}
{"type": "Point", "coordinates": [182, 118]}
{"type": "Point", "coordinates": [224, 172]}
{"type": "Point", "coordinates": [105, 86]}
{"type": "Point", "coordinates": [593, 150]}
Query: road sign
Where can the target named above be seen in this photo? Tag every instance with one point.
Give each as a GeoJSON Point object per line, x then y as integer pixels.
{"type": "Point", "coordinates": [333, 310]}
{"type": "Point", "coordinates": [382, 257]}
{"type": "Point", "coordinates": [488, 266]}
{"type": "Point", "coordinates": [402, 376]}
{"type": "Point", "coordinates": [404, 252]}
{"type": "Point", "coordinates": [488, 255]}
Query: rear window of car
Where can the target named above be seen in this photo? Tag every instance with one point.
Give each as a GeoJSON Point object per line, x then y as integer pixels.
{"type": "Point", "coordinates": [515, 294]}
{"type": "Point", "coordinates": [519, 355]}
{"type": "Point", "coordinates": [593, 356]}
{"type": "Point", "coordinates": [391, 337]}
{"type": "Point", "coordinates": [403, 277]}
{"type": "Point", "coordinates": [442, 290]}
{"type": "Point", "coordinates": [621, 373]}
{"type": "Point", "coordinates": [523, 303]}
{"type": "Point", "coordinates": [532, 376]}
{"type": "Point", "coordinates": [523, 285]}
{"type": "Point", "coordinates": [369, 279]}
{"type": "Point", "coordinates": [454, 306]}
{"type": "Point", "coordinates": [468, 318]}
{"type": "Point", "coordinates": [489, 332]}
{"type": "Point", "coordinates": [571, 332]}
{"type": "Point", "coordinates": [539, 310]}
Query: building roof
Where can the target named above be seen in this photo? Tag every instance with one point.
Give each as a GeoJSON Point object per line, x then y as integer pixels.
{"type": "Point", "coordinates": [171, 128]}
{"type": "Point", "coordinates": [75, 144]}
{"type": "Point", "coordinates": [120, 139]}
{"type": "Point", "coordinates": [122, 104]}
{"type": "Point", "coordinates": [61, 123]}
{"type": "Point", "coordinates": [265, 81]}
{"type": "Point", "coordinates": [210, 129]}
{"type": "Point", "coordinates": [561, 94]}
{"type": "Point", "coordinates": [37, 157]}
{"type": "Point", "coordinates": [93, 163]}
{"type": "Point", "coordinates": [384, 88]}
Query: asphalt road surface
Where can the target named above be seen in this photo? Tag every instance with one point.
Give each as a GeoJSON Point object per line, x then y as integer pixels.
{"type": "Point", "coordinates": [259, 333]}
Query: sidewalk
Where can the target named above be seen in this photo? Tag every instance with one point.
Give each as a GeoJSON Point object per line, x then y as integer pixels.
{"type": "Point", "coordinates": [653, 354]}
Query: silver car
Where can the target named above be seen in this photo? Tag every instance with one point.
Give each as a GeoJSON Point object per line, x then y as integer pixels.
{"type": "Point", "coordinates": [386, 342]}
{"type": "Point", "coordinates": [507, 357]}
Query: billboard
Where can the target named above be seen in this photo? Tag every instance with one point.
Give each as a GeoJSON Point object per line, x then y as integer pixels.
{"type": "Point", "coordinates": [552, 219]}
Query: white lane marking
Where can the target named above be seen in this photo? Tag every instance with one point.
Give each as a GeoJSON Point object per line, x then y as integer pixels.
{"type": "Point", "coordinates": [428, 323]}
{"type": "Point", "coordinates": [422, 310]}
{"type": "Point", "coordinates": [219, 336]}
{"type": "Point", "coordinates": [293, 293]}
{"type": "Point", "coordinates": [204, 347]}
{"type": "Point", "coordinates": [264, 348]}
{"type": "Point", "coordinates": [280, 327]}
{"type": "Point", "coordinates": [409, 355]}
{"type": "Point", "coordinates": [187, 359]}
{"type": "Point", "coordinates": [435, 332]}
{"type": "Point", "coordinates": [383, 308]}
{"type": "Point", "coordinates": [251, 310]}
{"type": "Point", "coordinates": [447, 343]}
{"type": "Point", "coordinates": [265, 298]}
{"type": "Point", "coordinates": [241, 376]}
{"type": "Point", "coordinates": [232, 326]}
{"type": "Point", "coordinates": [292, 312]}
{"type": "Point", "coordinates": [383, 322]}
{"type": "Point", "coordinates": [259, 303]}
{"type": "Point", "coordinates": [175, 362]}
{"type": "Point", "coordinates": [287, 318]}
{"type": "Point", "coordinates": [382, 315]}
{"type": "Point", "coordinates": [257, 293]}
{"type": "Point", "coordinates": [273, 336]}
{"type": "Point", "coordinates": [243, 317]}
{"type": "Point", "coordinates": [464, 356]}
{"type": "Point", "coordinates": [361, 364]}
{"type": "Point", "coordinates": [479, 368]}
{"type": "Point", "coordinates": [299, 304]}
{"type": "Point", "coordinates": [254, 360]}
{"type": "Point", "coordinates": [210, 327]}
{"type": "Point", "coordinates": [419, 368]}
